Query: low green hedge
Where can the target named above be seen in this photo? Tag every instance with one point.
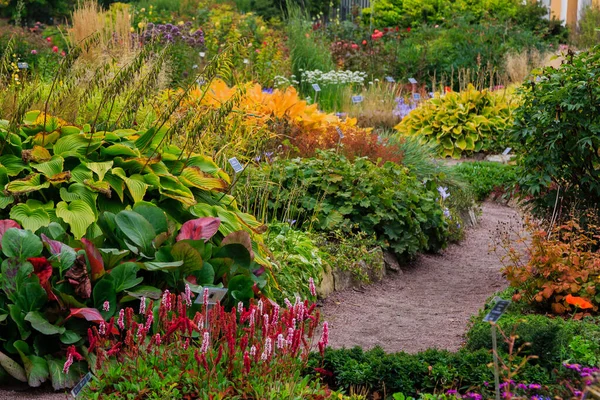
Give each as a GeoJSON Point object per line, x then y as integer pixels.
{"type": "Point", "coordinates": [486, 177]}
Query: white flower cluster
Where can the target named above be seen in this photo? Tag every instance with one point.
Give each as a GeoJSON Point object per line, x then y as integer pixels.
{"type": "Point", "coordinates": [334, 77]}
{"type": "Point", "coordinates": [283, 82]}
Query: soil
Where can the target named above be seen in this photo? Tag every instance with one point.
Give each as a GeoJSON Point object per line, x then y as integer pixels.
{"type": "Point", "coordinates": [429, 304]}
{"type": "Point", "coordinates": [26, 393]}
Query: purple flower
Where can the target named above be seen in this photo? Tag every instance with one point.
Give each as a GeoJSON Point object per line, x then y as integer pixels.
{"type": "Point", "coordinates": [522, 386]}
{"type": "Point", "coordinates": [451, 391]}
{"type": "Point", "coordinates": [535, 386]}
{"type": "Point", "coordinates": [446, 212]}
{"type": "Point", "coordinates": [34, 52]}
{"type": "Point", "coordinates": [443, 192]}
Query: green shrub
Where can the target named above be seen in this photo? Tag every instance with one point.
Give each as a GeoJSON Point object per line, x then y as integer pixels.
{"type": "Point", "coordinates": [556, 127]}
{"type": "Point", "coordinates": [486, 177]}
{"type": "Point", "coordinates": [552, 340]}
{"type": "Point", "coordinates": [329, 192]}
{"type": "Point", "coordinates": [461, 123]}
{"type": "Point", "coordinates": [297, 258]}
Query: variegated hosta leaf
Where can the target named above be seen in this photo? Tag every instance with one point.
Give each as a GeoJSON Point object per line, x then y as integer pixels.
{"type": "Point", "coordinates": [100, 168]}
{"type": "Point", "coordinates": [38, 155]}
{"type": "Point", "coordinates": [28, 184]}
{"type": "Point", "coordinates": [195, 177]}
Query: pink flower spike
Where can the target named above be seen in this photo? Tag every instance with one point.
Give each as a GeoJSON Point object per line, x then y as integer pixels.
{"type": "Point", "coordinates": [188, 295]}
{"type": "Point", "coordinates": [166, 300]}
{"type": "Point", "coordinates": [311, 286]}
{"type": "Point", "coordinates": [143, 305]}
{"type": "Point", "coordinates": [120, 321]}
{"type": "Point", "coordinates": [240, 307]}
{"type": "Point", "coordinates": [205, 342]}
{"type": "Point", "coordinates": [68, 364]}
{"type": "Point", "coordinates": [106, 306]}
{"type": "Point", "coordinates": [280, 342]}
{"type": "Point", "coordinates": [205, 298]}
{"type": "Point", "coordinates": [34, 52]}
{"type": "Point", "coordinates": [325, 335]}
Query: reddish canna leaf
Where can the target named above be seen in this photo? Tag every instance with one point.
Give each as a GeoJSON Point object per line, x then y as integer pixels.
{"type": "Point", "coordinates": [94, 258]}
{"type": "Point", "coordinates": [89, 314]}
{"type": "Point", "coordinates": [43, 270]}
{"type": "Point", "coordinates": [200, 228]}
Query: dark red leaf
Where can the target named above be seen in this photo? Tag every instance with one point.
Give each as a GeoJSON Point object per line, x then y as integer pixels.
{"type": "Point", "coordinates": [200, 228]}
{"type": "Point", "coordinates": [94, 258]}
{"type": "Point", "coordinates": [43, 270]}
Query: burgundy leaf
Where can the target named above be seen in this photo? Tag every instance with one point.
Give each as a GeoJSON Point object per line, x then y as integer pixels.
{"type": "Point", "coordinates": [54, 246]}
{"type": "Point", "coordinates": [43, 270]}
{"type": "Point", "coordinates": [200, 228]}
{"type": "Point", "coordinates": [239, 237]}
{"type": "Point", "coordinates": [94, 258]}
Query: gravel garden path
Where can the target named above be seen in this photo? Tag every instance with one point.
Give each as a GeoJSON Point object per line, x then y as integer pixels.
{"type": "Point", "coordinates": [430, 303]}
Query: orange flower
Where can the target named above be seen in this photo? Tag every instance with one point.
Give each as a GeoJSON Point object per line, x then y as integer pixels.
{"type": "Point", "coordinates": [578, 302]}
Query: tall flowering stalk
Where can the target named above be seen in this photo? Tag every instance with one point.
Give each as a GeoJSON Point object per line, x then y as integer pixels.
{"type": "Point", "coordinates": [238, 346]}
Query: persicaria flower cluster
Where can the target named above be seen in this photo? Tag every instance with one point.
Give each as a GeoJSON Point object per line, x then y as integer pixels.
{"type": "Point", "coordinates": [169, 33]}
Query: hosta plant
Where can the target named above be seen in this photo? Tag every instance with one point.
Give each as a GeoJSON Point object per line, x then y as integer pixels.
{"type": "Point", "coordinates": [54, 172]}
{"type": "Point", "coordinates": [52, 284]}
{"type": "Point", "coordinates": [462, 123]}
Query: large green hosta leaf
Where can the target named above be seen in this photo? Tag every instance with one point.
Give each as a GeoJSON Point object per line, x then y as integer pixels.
{"type": "Point", "coordinates": [194, 177]}
{"type": "Point", "coordinates": [32, 215]}
{"type": "Point", "coordinates": [77, 191]}
{"type": "Point", "coordinates": [13, 164]}
{"type": "Point", "coordinates": [135, 184]}
{"type": "Point", "coordinates": [136, 230]}
{"type": "Point", "coordinates": [100, 168]}
{"type": "Point", "coordinates": [77, 214]}
{"type": "Point", "coordinates": [31, 183]}
{"type": "Point", "coordinates": [50, 168]}
{"type": "Point", "coordinates": [75, 146]}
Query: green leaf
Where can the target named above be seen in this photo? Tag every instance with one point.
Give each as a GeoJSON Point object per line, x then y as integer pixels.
{"type": "Point", "coordinates": [124, 276]}
{"type": "Point", "coordinates": [77, 214]}
{"type": "Point", "coordinates": [60, 380]}
{"type": "Point", "coordinates": [70, 337]}
{"type": "Point", "coordinates": [5, 201]}
{"type": "Point", "coordinates": [75, 146]}
{"type": "Point", "coordinates": [81, 173]}
{"type": "Point", "coordinates": [120, 150]}
{"type": "Point", "coordinates": [31, 215]}
{"type": "Point", "coordinates": [153, 214]}
{"type": "Point", "coordinates": [136, 229]}
{"type": "Point", "coordinates": [195, 177]}
{"type": "Point", "coordinates": [112, 257]}
{"type": "Point", "coordinates": [50, 168]}
{"type": "Point", "coordinates": [100, 168]}
{"type": "Point", "coordinates": [148, 292]}
{"type": "Point", "coordinates": [41, 324]}
{"type": "Point", "coordinates": [28, 184]}
{"type": "Point", "coordinates": [13, 164]}
{"type": "Point", "coordinates": [162, 266]}
{"type": "Point", "coordinates": [12, 367]}
{"type": "Point", "coordinates": [135, 184]}
{"type": "Point", "coordinates": [36, 367]}
{"type": "Point", "coordinates": [21, 244]}
{"type": "Point", "coordinates": [192, 260]}
{"type": "Point", "coordinates": [104, 290]}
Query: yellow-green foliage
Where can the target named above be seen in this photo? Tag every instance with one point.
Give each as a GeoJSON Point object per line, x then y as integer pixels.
{"type": "Point", "coordinates": [465, 122]}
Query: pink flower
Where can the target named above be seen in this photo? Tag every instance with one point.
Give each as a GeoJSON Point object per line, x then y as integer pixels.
{"type": "Point", "coordinates": [260, 306]}
{"type": "Point", "coordinates": [253, 351]}
{"type": "Point", "coordinates": [205, 342]}
{"type": "Point", "coordinates": [311, 286]}
{"type": "Point", "coordinates": [252, 313]}
{"type": "Point", "coordinates": [186, 344]}
{"type": "Point", "coordinates": [240, 307]}
{"type": "Point", "coordinates": [275, 315]}
{"type": "Point", "coordinates": [106, 306]}
{"type": "Point", "coordinates": [120, 321]}
{"type": "Point", "coordinates": [266, 322]}
{"type": "Point", "coordinates": [290, 336]}
{"type": "Point", "coordinates": [157, 339]}
{"type": "Point", "coordinates": [200, 323]}
{"type": "Point", "coordinates": [354, 46]}
{"type": "Point", "coordinates": [102, 328]}
{"type": "Point", "coordinates": [48, 39]}
{"type": "Point", "coordinates": [143, 305]}
{"type": "Point", "coordinates": [280, 341]}
{"type": "Point", "coordinates": [62, 53]}
{"type": "Point", "coordinates": [71, 352]}
{"type": "Point", "coordinates": [55, 49]}
{"type": "Point", "coordinates": [205, 298]}
{"type": "Point", "coordinates": [149, 322]}
{"type": "Point", "coordinates": [288, 303]}
{"type": "Point", "coordinates": [188, 295]}
{"type": "Point", "coordinates": [34, 52]}
{"type": "Point", "coordinates": [166, 300]}
{"type": "Point", "coordinates": [325, 335]}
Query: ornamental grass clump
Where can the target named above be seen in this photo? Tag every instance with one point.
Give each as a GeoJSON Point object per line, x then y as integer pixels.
{"type": "Point", "coordinates": [179, 349]}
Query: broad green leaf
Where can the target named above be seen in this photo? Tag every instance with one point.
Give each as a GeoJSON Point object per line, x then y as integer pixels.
{"type": "Point", "coordinates": [75, 145]}
{"type": "Point", "coordinates": [77, 214]}
{"type": "Point", "coordinates": [31, 215]}
{"type": "Point", "coordinates": [38, 154]}
{"type": "Point", "coordinates": [135, 184]}
{"type": "Point", "coordinates": [70, 337]}
{"type": "Point", "coordinates": [5, 201]}
{"type": "Point", "coordinates": [13, 164]}
{"type": "Point", "coordinates": [136, 229]}
{"type": "Point", "coordinates": [60, 380]}
{"type": "Point", "coordinates": [41, 324]}
{"type": "Point", "coordinates": [50, 168]}
{"type": "Point", "coordinates": [81, 173]}
{"type": "Point", "coordinates": [194, 177]}
{"type": "Point", "coordinates": [100, 168]}
{"type": "Point", "coordinates": [124, 276]}
{"type": "Point", "coordinates": [116, 184]}
{"type": "Point", "coordinates": [13, 368]}
{"type": "Point", "coordinates": [162, 266]}
{"type": "Point", "coordinates": [98, 186]}
{"type": "Point", "coordinates": [148, 292]}
{"type": "Point", "coordinates": [112, 257]}
{"type": "Point", "coordinates": [21, 244]}
{"type": "Point", "coordinates": [120, 150]}
{"type": "Point", "coordinates": [192, 260]}
{"type": "Point", "coordinates": [31, 183]}
{"type": "Point", "coordinates": [153, 214]}
{"type": "Point", "coordinates": [104, 290]}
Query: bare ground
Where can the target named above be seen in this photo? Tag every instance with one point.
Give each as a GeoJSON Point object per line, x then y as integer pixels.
{"type": "Point", "coordinates": [430, 303]}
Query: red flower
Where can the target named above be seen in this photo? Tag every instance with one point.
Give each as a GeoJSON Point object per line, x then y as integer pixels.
{"type": "Point", "coordinates": [408, 29]}
{"type": "Point", "coordinates": [354, 46]}
{"type": "Point", "coordinates": [364, 42]}
{"type": "Point", "coordinates": [62, 53]}
{"type": "Point", "coordinates": [55, 49]}
{"type": "Point", "coordinates": [48, 39]}
{"type": "Point", "coordinates": [447, 89]}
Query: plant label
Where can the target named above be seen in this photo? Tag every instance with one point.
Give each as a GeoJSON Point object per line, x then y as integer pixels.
{"type": "Point", "coordinates": [82, 383]}
{"type": "Point", "coordinates": [316, 87]}
{"type": "Point", "coordinates": [390, 79]}
{"type": "Point", "coordinates": [246, 61]}
{"type": "Point", "coordinates": [497, 311]}
{"type": "Point", "coordinates": [431, 95]}
{"type": "Point", "coordinates": [235, 164]}
{"type": "Point", "coordinates": [22, 65]}
{"type": "Point", "coordinates": [357, 99]}
{"type": "Point", "coordinates": [412, 81]}
{"type": "Point", "coordinates": [416, 96]}
{"type": "Point", "coordinates": [339, 131]}
{"type": "Point", "coordinates": [202, 54]}
{"type": "Point", "coordinates": [215, 295]}
{"type": "Point", "coordinates": [506, 151]}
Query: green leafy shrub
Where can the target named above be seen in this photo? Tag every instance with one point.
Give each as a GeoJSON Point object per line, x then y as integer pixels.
{"type": "Point", "coordinates": [297, 258]}
{"type": "Point", "coordinates": [486, 177]}
{"type": "Point", "coordinates": [329, 192]}
{"type": "Point", "coordinates": [556, 129]}
{"type": "Point", "coordinates": [552, 340]}
{"type": "Point", "coordinates": [466, 122]}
